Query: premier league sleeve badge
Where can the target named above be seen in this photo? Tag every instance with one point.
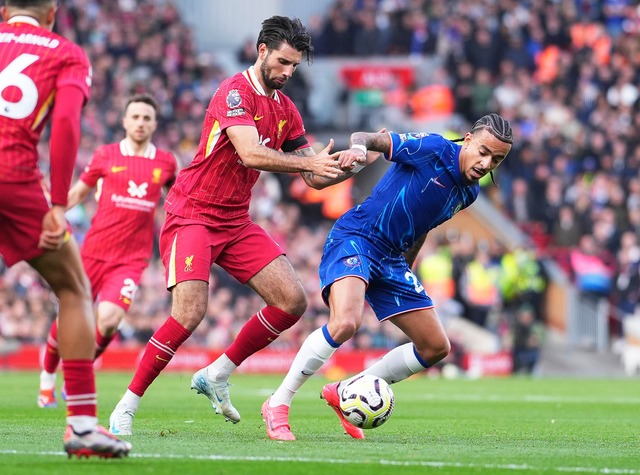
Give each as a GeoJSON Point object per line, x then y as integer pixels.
{"type": "Point", "coordinates": [233, 102]}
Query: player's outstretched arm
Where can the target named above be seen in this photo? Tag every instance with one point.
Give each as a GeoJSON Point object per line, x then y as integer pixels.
{"type": "Point", "coordinates": [77, 193]}
{"type": "Point", "coordinates": [255, 155]}
{"type": "Point", "coordinates": [375, 142]}
{"type": "Point", "coordinates": [359, 155]}
{"type": "Point", "coordinates": [64, 141]}
{"type": "Point", "coordinates": [316, 180]}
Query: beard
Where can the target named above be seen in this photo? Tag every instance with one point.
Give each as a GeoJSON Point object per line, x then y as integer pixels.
{"type": "Point", "coordinates": [265, 71]}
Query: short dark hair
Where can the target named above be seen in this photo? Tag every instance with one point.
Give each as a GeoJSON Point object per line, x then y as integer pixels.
{"type": "Point", "coordinates": [496, 126]}
{"type": "Point", "coordinates": [144, 97]}
{"type": "Point", "coordinates": [279, 29]}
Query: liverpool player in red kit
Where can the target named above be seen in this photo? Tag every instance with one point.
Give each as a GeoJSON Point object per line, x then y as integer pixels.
{"type": "Point", "coordinates": [249, 126]}
{"type": "Point", "coordinates": [118, 246]}
{"type": "Point", "coordinates": [43, 74]}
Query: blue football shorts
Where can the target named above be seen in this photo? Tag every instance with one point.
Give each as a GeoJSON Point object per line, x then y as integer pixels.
{"type": "Point", "coordinates": [392, 288]}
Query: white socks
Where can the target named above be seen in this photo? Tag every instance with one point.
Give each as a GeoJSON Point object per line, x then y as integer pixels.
{"type": "Point", "coordinates": [82, 424]}
{"type": "Point", "coordinates": [47, 380]}
{"type": "Point", "coordinates": [221, 369]}
{"type": "Point", "coordinates": [397, 365]}
{"type": "Point", "coordinates": [131, 400]}
{"type": "Point", "coordinates": [314, 352]}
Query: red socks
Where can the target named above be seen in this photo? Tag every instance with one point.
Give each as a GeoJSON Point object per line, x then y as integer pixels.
{"type": "Point", "coordinates": [102, 342]}
{"type": "Point", "coordinates": [261, 329]}
{"type": "Point", "coordinates": [51, 357]}
{"type": "Point", "coordinates": [159, 351]}
{"type": "Point", "coordinates": [80, 385]}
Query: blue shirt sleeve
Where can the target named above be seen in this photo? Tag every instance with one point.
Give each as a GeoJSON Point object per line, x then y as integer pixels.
{"type": "Point", "coordinates": [415, 148]}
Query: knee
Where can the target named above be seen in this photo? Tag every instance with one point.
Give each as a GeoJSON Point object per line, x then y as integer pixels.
{"type": "Point", "coordinates": [189, 313]}
{"type": "Point", "coordinates": [296, 303]}
{"type": "Point", "coordinates": [434, 351]}
{"type": "Point", "coordinates": [443, 349]}
{"type": "Point", "coordinates": [108, 322]}
{"type": "Point", "coordinates": [342, 330]}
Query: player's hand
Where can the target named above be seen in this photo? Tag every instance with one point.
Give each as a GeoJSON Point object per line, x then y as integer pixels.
{"type": "Point", "coordinates": [54, 229]}
{"type": "Point", "coordinates": [351, 158]}
{"type": "Point", "coordinates": [325, 163]}
{"type": "Point", "coordinates": [355, 158]}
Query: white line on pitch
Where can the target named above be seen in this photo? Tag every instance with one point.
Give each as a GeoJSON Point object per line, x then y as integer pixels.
{"type": "Point", "coordinates": [408, 463]}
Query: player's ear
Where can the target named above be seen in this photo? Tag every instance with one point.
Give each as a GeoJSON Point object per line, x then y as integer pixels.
{"type": "Point", "coordinates": [51, 16]}
{"type": "Point", "coordinates": [5, 13]}
{"type": "Point", "coordinates": [262, 51]}
{"type": "Point", "coordinates": [467, 138]}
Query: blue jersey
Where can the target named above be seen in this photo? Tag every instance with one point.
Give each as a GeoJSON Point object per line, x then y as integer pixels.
{"type": "Point", "coordinates": [422, 189]}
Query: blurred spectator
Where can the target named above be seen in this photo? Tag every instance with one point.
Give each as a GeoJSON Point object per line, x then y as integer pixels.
{"type": "Point", "coordinates": [368, 39]}
{"type": "Point", "coordinates": [592, 267]}
{"type": "Point", "coordinates": [566, 230]}
{"type": "Point", "coordinates": [246, 54]}
{"type": "Point", "coordinates": [527, 340]}
{"type": "Point", "coordinates": [523, 281]}
{"type": "Point", "coordinates": [479, 286]}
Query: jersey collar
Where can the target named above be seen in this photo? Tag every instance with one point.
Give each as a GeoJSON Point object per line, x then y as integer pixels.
{"type": "Point", "coordinates": [24, 19]}
{"type": "Point", "coordinates": [251, 76]}
{"type": "Point", "coordinates": [127, 150]}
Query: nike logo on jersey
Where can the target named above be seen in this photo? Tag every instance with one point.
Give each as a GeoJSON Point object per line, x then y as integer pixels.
{"type": "Point", "coordinates": [257, 117]}
{"type": "Point", "coordinates": [436, 180]}
{"type": "Point", "coordinates": [115, 169]}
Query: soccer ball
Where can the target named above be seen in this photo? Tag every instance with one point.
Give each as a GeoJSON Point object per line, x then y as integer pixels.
{"type": "Point", "coordinates": [367, 401]}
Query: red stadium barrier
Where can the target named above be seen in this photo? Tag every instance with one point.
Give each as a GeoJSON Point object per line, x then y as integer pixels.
{"type": "Point", "coordinates": [28, 357]}
{"type": "Point", "coordinates": [492, 364]}
{"type": "Point", "coordinates": [267, 361]}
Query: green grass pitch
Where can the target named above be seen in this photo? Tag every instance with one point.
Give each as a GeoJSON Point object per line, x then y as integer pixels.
{"type": "Point", "coordinates": [484, 426]}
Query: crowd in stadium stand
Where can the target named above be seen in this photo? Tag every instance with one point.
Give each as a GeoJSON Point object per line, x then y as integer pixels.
{"type": "Point", "coordinates": [564, 74]}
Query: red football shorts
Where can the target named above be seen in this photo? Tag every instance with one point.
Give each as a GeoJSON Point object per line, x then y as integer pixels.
{"type": "Point", "coordinates": [189, 248]}
{"type": "Point", "coordinates": [113, 282]}
{"type": "Point", "coordinates": [22, 208]}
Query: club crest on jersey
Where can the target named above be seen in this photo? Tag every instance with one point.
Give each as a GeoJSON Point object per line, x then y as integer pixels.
{"type": "Point", "coordinates": [352, 261]}
{"type": "Point", "coordinates": [188, 263]}
{"type": "Point", "coordinates": [157, 174]}
{"type": "Point", "coordinates": [281, 125]}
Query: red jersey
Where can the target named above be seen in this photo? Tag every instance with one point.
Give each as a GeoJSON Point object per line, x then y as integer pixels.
{"type": "Point", "coordinates": [34, 64]}
{"type": "Point", "coordinates": [129, 190]}
{"type": "Point", "coordinates": [216, 185]}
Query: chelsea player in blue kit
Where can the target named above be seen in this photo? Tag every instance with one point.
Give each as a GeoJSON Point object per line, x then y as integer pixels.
{"type": "Point", "coordinates": [371, 249]}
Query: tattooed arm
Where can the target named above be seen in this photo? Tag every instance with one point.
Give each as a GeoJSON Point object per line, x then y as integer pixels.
{"type": "Point", "coordinates": [255, 155]}
{"type": "Point", "coordinates": [365, 149]}
{"type": "Point", "coordinates": [317, 181]}
{"type": "Point", "coordinates": [375, 142]}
